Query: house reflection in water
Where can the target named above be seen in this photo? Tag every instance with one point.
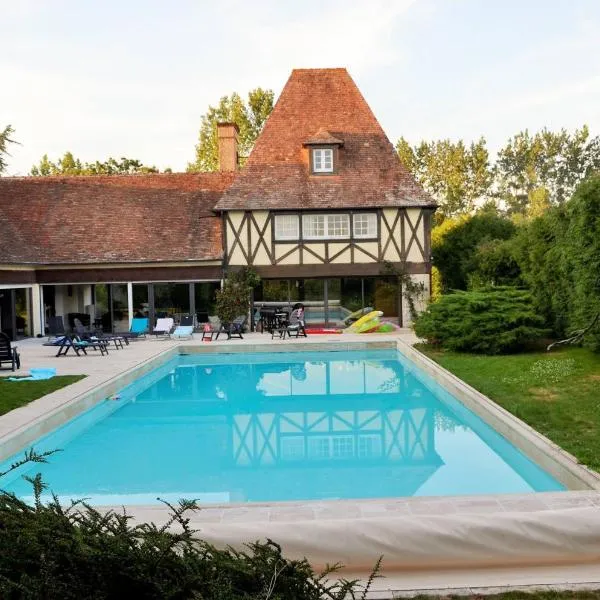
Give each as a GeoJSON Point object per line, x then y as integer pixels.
{"type": "Point", "coordinates": [314, 429]}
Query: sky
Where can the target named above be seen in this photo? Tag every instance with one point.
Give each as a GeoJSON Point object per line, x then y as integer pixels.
{"type": "Point", "coordinates": [134, 77]}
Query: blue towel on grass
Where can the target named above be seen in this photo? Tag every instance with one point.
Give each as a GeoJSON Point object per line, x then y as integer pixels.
{"type": "Point", "coordinates": [36, 374]}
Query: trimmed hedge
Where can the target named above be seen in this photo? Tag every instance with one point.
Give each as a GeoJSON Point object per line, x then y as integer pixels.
{"type": "Point", "coordinates": [495, 321]}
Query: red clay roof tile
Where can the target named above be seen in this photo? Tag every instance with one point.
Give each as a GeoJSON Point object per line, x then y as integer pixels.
{"type": "Point", "coordinates": [111, 219]}
{"type": "Point", "coordinates": [276, 175]}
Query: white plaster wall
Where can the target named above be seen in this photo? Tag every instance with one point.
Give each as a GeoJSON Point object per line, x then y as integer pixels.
{"type": "Point", "coordinates": [420, 303]}
{"type": "Point", "coordinates": [414, 253]}
{"type": "Point", "coordinates": [238, 256]}
{"type": "Point", "coordinates": [292, 259]}
{"type": "Point", "coordinates": [370, 247]}
{"type": "Point", "coordinates": [318, 249]}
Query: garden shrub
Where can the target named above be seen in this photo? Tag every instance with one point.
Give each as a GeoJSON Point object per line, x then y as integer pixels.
{"type": "Point", "coordinates": [69, 553]}
{"type": "Point", "coordinates": [493, 321]}
{"type": "Point", "coordinates": [453, 247]}
{"type": "Point", "coordinates": [233, 299]}
{"type": "Point", "coordinates": [559, 257]}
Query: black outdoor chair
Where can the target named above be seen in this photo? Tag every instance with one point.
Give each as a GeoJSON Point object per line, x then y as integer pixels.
{"type": "Point", "coordinates": [267, 320]}
{"type": "Point", "coordinates": [233, 329]}
{"type": "Point", "coordinates": [292, 325]}
{"type": "Point", "coordinates": [8, 354]}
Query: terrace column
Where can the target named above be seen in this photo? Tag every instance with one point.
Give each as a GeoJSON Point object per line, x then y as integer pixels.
{"type": "Point", "coordinates": [130, 301]}
{"type": "Point", "coordinates": [36, 311]}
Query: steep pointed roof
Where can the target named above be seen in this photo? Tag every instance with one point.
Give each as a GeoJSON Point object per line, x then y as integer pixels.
{"type": "Point", "coordinates": [276, 175]}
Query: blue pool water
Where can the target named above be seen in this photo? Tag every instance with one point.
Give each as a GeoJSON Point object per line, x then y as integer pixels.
{"type": "Point", "coordinates": [259, 427]}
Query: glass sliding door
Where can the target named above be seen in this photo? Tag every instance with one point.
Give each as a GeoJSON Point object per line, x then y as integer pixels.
{"type": "Point", "coordinates": [204, 296]}
{"type": "Point", "coordinates": [22, 312]}
{"type": "Point", "coordinates": [120, 308]}
{"type": "Point", "coordinates": [141, 306]}
{"type": "Point", "coordinates": [273, 290]}
{"type": "Point", "coordinates": [102, 317]}
{"type": "Point", "coordinates": [311, 292]}
{"type": "Point", "coordinates": [171, 300]}
{"type": "Point", "coordinates": [383, 293]}
{"type": "Point", "coordinates": [344, 296]}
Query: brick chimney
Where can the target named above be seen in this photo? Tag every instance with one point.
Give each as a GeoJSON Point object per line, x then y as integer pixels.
{"type": "Point", "coordinates": [228, 146]}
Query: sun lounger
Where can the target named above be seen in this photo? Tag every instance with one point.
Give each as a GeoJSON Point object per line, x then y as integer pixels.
{"type": "Point", "coordinates": [87, 336]}
{"type": "Point", "coordinates": [73, 342]}
{"type": "Point", "coordinates": [183, 331]}
{"type": "Point", "coordinates": [139, 328]}
{"type": "Point", "coordinates": [163, 327]}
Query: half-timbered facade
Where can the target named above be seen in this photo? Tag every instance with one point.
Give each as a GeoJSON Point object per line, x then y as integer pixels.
{"type": "Point", "coordinates": [323, 197]}
{"type": "Point", "coordinates": [322, 210]}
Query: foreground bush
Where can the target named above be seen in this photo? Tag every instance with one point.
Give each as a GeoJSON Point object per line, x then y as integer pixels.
{"type": "Point", "coordinates": [495, 321]}
{"type": "Point", "coordinates": [52, 552]}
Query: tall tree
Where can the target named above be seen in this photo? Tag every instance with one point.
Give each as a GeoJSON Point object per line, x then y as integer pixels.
{"type": "Point", "coordinates": [69, 165]}
{"type": "Point", "coordinates": [456, 175]}
{"type": "Point", "coordinates": [534, 171]}
{"type": "Point", "coordinates": [5, 140]}
{"type": "Point", "coordinates": [249, 116]}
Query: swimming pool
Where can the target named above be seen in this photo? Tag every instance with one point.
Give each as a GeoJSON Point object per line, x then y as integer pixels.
{"type": "Point", "coordinates": [308, 425]}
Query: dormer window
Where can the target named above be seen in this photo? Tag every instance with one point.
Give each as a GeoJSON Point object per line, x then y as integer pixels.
{"type": "Point", "coordinates": [322, 160]}
{"type": "Point", "coordinates": [323, 153]}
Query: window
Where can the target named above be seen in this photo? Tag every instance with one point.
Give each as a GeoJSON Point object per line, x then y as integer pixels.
{"type": "Point", "coordinates": [317, 227]}
{"type": "Point", "coordinates": [287, 227]}
{"type": "Point", "coordinates": [365, 225]}
{"type": "Point", "coordinates": [322, 160]}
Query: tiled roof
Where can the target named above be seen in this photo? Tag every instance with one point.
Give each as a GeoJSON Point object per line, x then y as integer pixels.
{"type": "Point", "coordinates": [111, 219]}
{"type": "Point", "coordinates": [276, 175]}
{"type": "Point", "coordinates": [323, 137]}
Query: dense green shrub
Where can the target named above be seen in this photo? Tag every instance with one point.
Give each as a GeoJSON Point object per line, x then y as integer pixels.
{"type": "Point", "coordinates": [539, 252]}
{"type": "Point", "coordinates": [559, 257]}
{"type": "Point", "coordinates": [494, 263]}
{"type": "Point", "coordinates": [494, 321]}
{"type": "Point", "coordinates": [454, 250]}
{"type": "Point", "coordinates": [233, 299]}
{"type": "Point", "coordinates": [582, 257]}
{"type": "Point", "coordinates": [53, 552]}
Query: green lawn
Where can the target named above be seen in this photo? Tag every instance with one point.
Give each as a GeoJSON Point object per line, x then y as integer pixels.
{"type": "Point", "coordinates": [14, 394]}
{"type": "Point", "coordinates": [557, 393]}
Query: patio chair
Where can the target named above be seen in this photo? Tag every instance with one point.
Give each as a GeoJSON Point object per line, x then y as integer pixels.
{"type": "Point", "coordinates": [233, 329]}
{"type": "Point", "coordinates": [163, 327]}
{"type": "Point", "coordinates": [292, 325]}
{"type": "Point", "coordinates": [185, 327]}
{"type": "Point", "coordinates": [296, 322]}
{"type": "Point", "coordinates": [210, 329]}
{"type": "Point", "coordinates": [8, 354]}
